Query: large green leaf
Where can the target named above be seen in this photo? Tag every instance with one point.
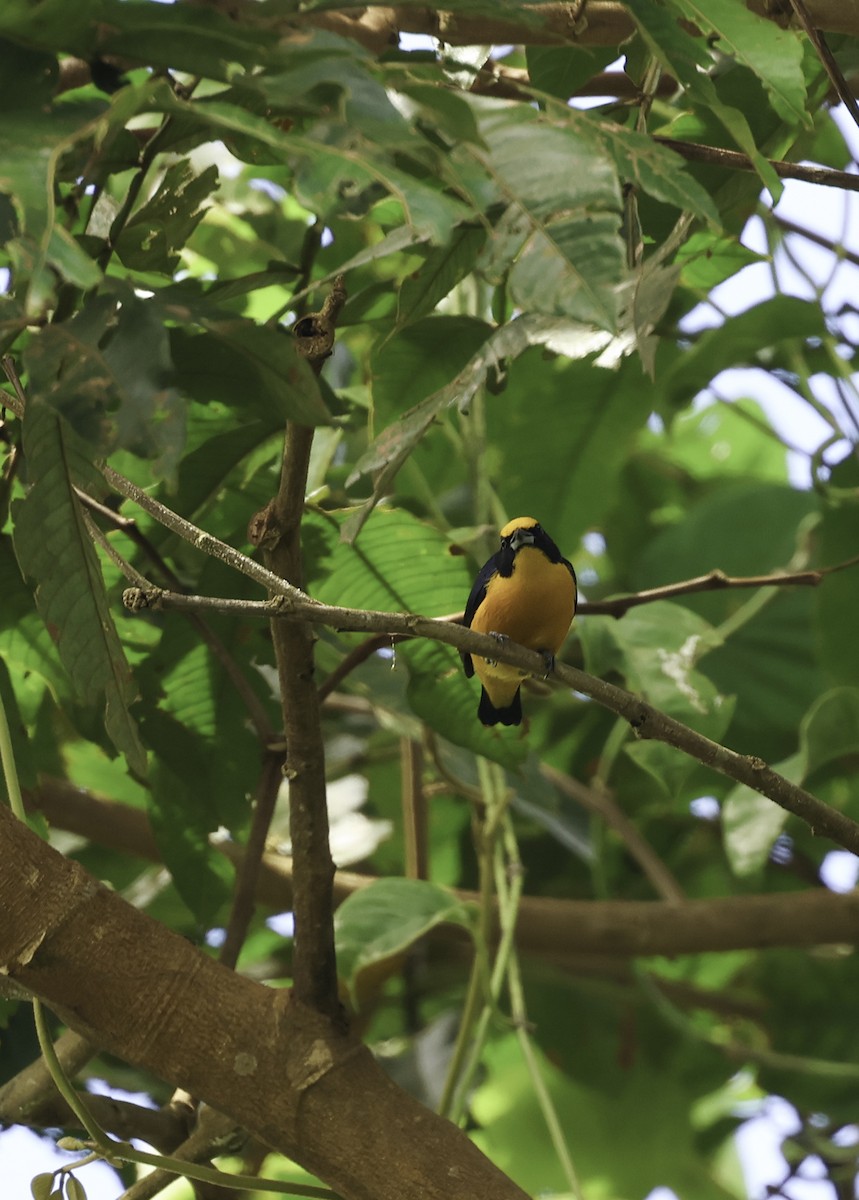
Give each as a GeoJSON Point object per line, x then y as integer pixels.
{"type": "Point", "coordinates": [656, 170]}
{"type": "Point", "coordinates": [399, 564]}
{"type": "Point", "coordinates": [107, 370]}
{"type": "Point", "coordinates": [837, 598]}
{"type": "Point", "coordinates": [739, 341]}
{"type": "Point", "coordinates": [767, 661]}
{"type": "Point", "coordinates": [54, 548]}
{"type": "Point", "coordinates": [182, 816]}
{"type": "Point", "coordinates": [151, 240]}
{"type": "Point", "coordinates": [247, 366]}
{"type": "Point", "coordinates": [557, 241]}
{"type": "Point", "coordinates": [508, 342]}
{"type": "Point", "coordinates": [774, 54]}
{"type": "Point", "coordinates": [561, 433]}
{"type": "Point", "coordinates": [378, 922]}
{"type": "Point", "coordinates": [33, 135]}
{"type": "Point", "coordinates": [688, 59]}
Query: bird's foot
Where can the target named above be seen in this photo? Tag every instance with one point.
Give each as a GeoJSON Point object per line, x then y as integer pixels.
{"type": "Point", "coordinates": [500, 638]}
{"type": "Point", "coordinates": [549, 660]}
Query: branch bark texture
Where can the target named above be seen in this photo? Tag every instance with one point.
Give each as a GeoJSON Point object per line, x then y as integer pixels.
{"type": "Point", "coordinates": [126, 983]}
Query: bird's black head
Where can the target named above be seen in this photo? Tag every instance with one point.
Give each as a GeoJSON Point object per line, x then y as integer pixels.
{"type": "Point", "coordinates": [524, 531]}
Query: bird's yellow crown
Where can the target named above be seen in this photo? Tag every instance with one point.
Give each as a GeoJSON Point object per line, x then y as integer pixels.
{"type": "Point", "coordinates": [518, 523]}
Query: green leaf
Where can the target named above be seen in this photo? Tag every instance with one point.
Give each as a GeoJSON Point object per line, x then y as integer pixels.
{"type": "Point", "coordinates": [558, 239]}
{"type": "Point", "coordinates": [182, 37]}
{"type": "Point", "coordinates": [441, 695]}
{"type": "Point", "coordinates": [740, 341]}
{"type": "Point", "coordinates": [751, 823]}
{"type": "Point", "coordinates": [562, 432]}
{"type": "Point", "coordinates": [33, 134]}
{"type": "Point", "coordinates": [400, 564]}
{"type": "Point", "coordinates": [381, 920]}
{"type": "Point", "coordinates": [656, 170]}
{"type": "Point", "coordinates": [74, 1188]}
{"type": "Point", "coordinates": [248, 366]}
{"type": "Point", "coordinates": [708, 259]}
{"type": "Point", "coordinates": [25, 643]}
{"type": "Point", "coordinates": [443, 268]}
{"type": "Point", "coordinates": [830, 729]}
{"type": "Point", "coordinates": [772, 53]}
{"type": "Point", "coordinates": [54, 548]}
{"type": "Point", "coordinates": [25, 764]}
{"type": "Point", "coordinates": [51, 23]}
{"type": "Point", "coordinates": [723, 440]}
{"type": "Point", "coordinates": [41, 1186]}
{"type": "Point", "coordinates": [182, 818]}
{"type": "Point", "coordinates": [767, 658]}
{"type": "Point", "coordinates": [157, 231]}
{"type": "Point", "coordinates": [837, 599]}
{"type": "Point", "coordinates": [688, 59]}
{"type": "Point", "coordinates": [106, 371]}
{"type": "Point", "coordinates": [564, 70]}
{"type": "Point", "coordinates": [508, 342]}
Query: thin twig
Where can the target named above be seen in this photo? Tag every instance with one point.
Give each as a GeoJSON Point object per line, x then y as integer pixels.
{"type": "Point", "coordinates": [605, 807]}
{"type": "Point", "coordinates": [830, 66]}
{"type": "Point", "coordinates": [247, 872]}
{"type": "Point", "coordinates": [713, 581]}
{"type": "Point", "coordinates": [716, 156]}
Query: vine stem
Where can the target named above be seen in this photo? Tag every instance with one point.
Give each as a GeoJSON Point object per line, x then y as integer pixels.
{"type": "Point", "coordinates": [509, 883]}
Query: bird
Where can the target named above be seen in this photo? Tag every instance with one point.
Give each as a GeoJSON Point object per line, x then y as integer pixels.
{"type": "Point", "coordinates": [526, 592]}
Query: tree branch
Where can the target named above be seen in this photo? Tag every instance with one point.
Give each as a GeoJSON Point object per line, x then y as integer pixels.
{"type": "Point", "coordinates": [716, 156]}
{"type": "Point", "coordinates": [277, 529]}
{"type": "Point", "coordinates": [818, 41]}
{"type": "Point", "coordinates": [558, 929]}
{"type": "Point", "coordinates": [647, 721]}
{"type": "Point", "coordinates": [713, 581]}
{"type": "Point", "coordinates": [144, 993]}
{"type": "Point", "coordinates": [592, 23]}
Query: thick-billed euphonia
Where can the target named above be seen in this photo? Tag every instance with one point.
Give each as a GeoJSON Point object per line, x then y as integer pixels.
{"type": "Point", "coordinates": [525, 592]}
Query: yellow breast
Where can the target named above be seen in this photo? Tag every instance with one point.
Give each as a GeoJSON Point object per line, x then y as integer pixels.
{"type": "Point", "coordinates": [534, 606]}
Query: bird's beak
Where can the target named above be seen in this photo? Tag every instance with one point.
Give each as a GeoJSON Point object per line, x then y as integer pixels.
{"type": "Point", "coordinates": [522, 537]}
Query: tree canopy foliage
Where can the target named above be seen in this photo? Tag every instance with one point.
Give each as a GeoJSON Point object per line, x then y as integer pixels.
{"type": "Point", "coordinates": [291, 301]}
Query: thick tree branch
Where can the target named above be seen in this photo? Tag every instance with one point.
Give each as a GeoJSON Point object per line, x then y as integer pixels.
{"type": "Point", "coordinates": [647, 721]}
{"type": "Point", "coordinates": [558, 929]}
{"type": "Point", "coordinates": [145, 994]}
{"type": "Point", "coordinates": [592, 23]}
{"type": "Point", "coordinates": [31, 1089]}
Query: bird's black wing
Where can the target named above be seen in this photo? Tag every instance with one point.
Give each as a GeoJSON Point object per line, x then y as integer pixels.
{"type": "Point", "coordinates": [478, 595]}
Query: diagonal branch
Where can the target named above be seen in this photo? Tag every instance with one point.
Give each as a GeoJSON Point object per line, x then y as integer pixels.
{"type": "Point", "coordinates": [647, 721]}
{"type": "Point", "coordinates": [827, 58]}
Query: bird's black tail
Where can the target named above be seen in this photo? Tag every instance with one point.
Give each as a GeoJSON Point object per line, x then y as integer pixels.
{"type": "Point", "coordinates": [490, 715]}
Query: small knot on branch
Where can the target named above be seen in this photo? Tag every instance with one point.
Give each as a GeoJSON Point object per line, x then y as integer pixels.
{"type": "Point", "coordinates": [137, 598]}
{"type": "Point", "coordinates": [314, 334]}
